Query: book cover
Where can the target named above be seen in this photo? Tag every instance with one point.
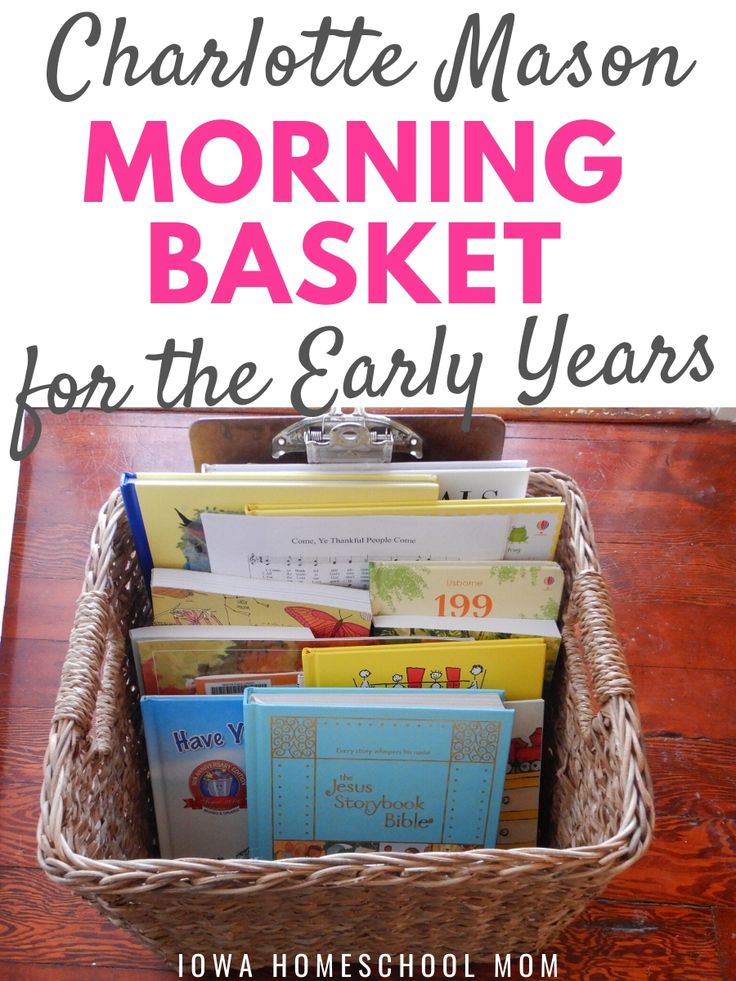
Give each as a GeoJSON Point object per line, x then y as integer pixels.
{"type": "Point", "coordinates": [408, 508]}
{"type": "Point", "coordinates": [511, 590]}
{"type": "Point", "coordinates": [165, 511]}
{"type": "Point", "coordinates": [519, 817]}
{"type": "Point", "coordinates": [335, 778]}
{"type": "Point", "coordinates": [473, 628]}
{"type": "Point", "coordinates": [531, 525]}
{"type": "Point", "coordinates": [515, 666]}
{"type": "Point", "coordinates": [170, 667]}
{"type": "Point", "coordinates": [196, 759]}
{"type": "Point", "coordinates": [170, 659]}
{"type": "Point", "coordinates": [180, 596]}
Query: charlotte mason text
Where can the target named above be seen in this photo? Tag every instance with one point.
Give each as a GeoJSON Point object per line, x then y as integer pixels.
{"type": "Point", "coordinates": [484, 54]}
{"type": "Point", "coordinates": [324, 378]}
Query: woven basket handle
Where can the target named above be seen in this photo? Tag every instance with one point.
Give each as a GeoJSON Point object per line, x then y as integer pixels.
{"type": "Point", "coordinates": [85, 669]}
{"type": "Point", "coordinates": [589, 602]}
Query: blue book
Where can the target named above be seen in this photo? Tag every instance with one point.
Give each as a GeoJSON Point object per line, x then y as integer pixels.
{"type": "Point", "coordinates": [196, 759]}
{"type": "Point", "coordinates": [346, 770]}
{"type": "Point", "coordinates": [137, 527]}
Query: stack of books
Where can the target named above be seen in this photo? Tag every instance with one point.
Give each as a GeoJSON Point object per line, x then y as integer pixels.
{"type": "Point", "coordinates": [371, 641]}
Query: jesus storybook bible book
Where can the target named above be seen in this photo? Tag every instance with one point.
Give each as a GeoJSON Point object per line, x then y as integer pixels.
{"type": "Point", "coordinates": [360, 771]}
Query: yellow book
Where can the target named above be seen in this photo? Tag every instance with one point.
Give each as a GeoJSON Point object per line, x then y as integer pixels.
{"type": "Point", "coordinates": [534, 522]}
{"type": "Point", "coordinates": [421, 508]}
{"type": "Point", "coordinates": [165, 513]}
{"type": "Point", "coordinates": [244, 476]}
{"type": "Point", "coordinates": [514, 666]}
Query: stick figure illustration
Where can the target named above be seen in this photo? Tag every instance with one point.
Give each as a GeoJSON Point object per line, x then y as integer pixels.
{"type": "Point", "coordinates": [435, 676]}
{"type": "Point", "coordinates": [365, 674]}
{"type": "Point", "coordinates": [396, 678]}
{"type": "Point", "coordinates": [476, 670]}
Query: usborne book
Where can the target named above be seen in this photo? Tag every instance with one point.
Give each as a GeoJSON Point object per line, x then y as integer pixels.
{"type": "Point", "coordinates": [509, 589]}
{"type": "Point", "coordinates": [531, 526]}
{"type": "Point", "coordinates": [180, 596]}
{"type": "Point", "coordinates": [514, 665]}
{"type": "Point", "coordinates": [196, 759]}
{"type": "Point", "coordinates": [368, 770]}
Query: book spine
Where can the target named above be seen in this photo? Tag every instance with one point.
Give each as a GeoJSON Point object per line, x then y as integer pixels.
{"type": "Point", "coordinates": [158, 786]}
{"type": "Point", "coordinates": [499, 778]}
{"type": "Point", "coordinates": [309, 669]}
{"type": "Point", "coordinates": [137, 527]}
{"type": "Point", "coordinates": [257, 787]}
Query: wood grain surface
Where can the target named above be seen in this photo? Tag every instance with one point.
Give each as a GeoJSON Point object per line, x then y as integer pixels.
{"type": "Point", "coordinates": [663, 504]}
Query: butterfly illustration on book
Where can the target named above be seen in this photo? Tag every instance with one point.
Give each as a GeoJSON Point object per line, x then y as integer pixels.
{"type": "Point", "coordinates": [323, 624]}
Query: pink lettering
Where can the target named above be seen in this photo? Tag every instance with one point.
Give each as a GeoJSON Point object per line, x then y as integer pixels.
{"type": "Point", "coordinates": [152, 146]}
{"type": "Point", "coordinates": [164, 262]}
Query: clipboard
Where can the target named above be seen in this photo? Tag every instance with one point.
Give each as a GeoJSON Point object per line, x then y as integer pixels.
{"type": "Point", "coordinates": [341, 437]}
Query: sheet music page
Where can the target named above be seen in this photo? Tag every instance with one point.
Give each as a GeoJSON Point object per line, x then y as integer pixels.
{"type": "Point", "coordinates": [336, 550]}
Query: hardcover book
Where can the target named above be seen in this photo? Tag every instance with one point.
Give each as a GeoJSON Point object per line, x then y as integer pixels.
{"type": "Point", "coordinates": [509, 589]}
{"type": "Point", "coordinates": [458, 480]}
{"type": "Point", "coordinates": [196, 759]}
{"type": "Point", "coordinates": [371, 770]}
{"type": "Point", "coordinates": [170, 659]}
{"type": "Point", "coordinates": [531, 526]}
{"type": "Point", "coordinates": [472, 628]}
{"type": "Point", "coordinates": [516, 666]}
{"type": "Point", "coordinates": [183, 597]}
{"type": "Point", "coordinates": [165, 510]}
{"type": "Point", "coordinates": [520, 800]}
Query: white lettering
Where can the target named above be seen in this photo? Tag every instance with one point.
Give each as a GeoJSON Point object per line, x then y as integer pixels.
{"type": "Point", "coordinates": [503, 967]}
{"type": "Point", "coordinates": [301, 965]}
{"type": "Point", "coordinates": [526, 965]}
{"type": "Point", "coordinates": [449, 966]}
{"type": "Point", "coordinates": [549, 966]}
{"type": "Point", "coordinates": [222, 963]}
{"type": "Point", "coordinates": [384, 966]}
{"type": "Point", "coordinates": [323, 966]}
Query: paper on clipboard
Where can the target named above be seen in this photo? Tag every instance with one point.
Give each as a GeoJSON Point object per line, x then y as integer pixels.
{"type": "Point", "coordinates": [336, 550]}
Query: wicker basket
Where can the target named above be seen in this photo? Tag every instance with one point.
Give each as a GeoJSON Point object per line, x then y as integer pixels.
{"type": "Point", "coordinates": [96, 834]}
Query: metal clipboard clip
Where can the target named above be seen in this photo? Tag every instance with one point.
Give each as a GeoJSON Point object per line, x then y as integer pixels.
{"type": "Point", "coordinates": [339, 436]}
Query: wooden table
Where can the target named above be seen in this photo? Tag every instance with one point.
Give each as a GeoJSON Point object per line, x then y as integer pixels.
{"type": "Point", "coordinates": [663, 502]}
